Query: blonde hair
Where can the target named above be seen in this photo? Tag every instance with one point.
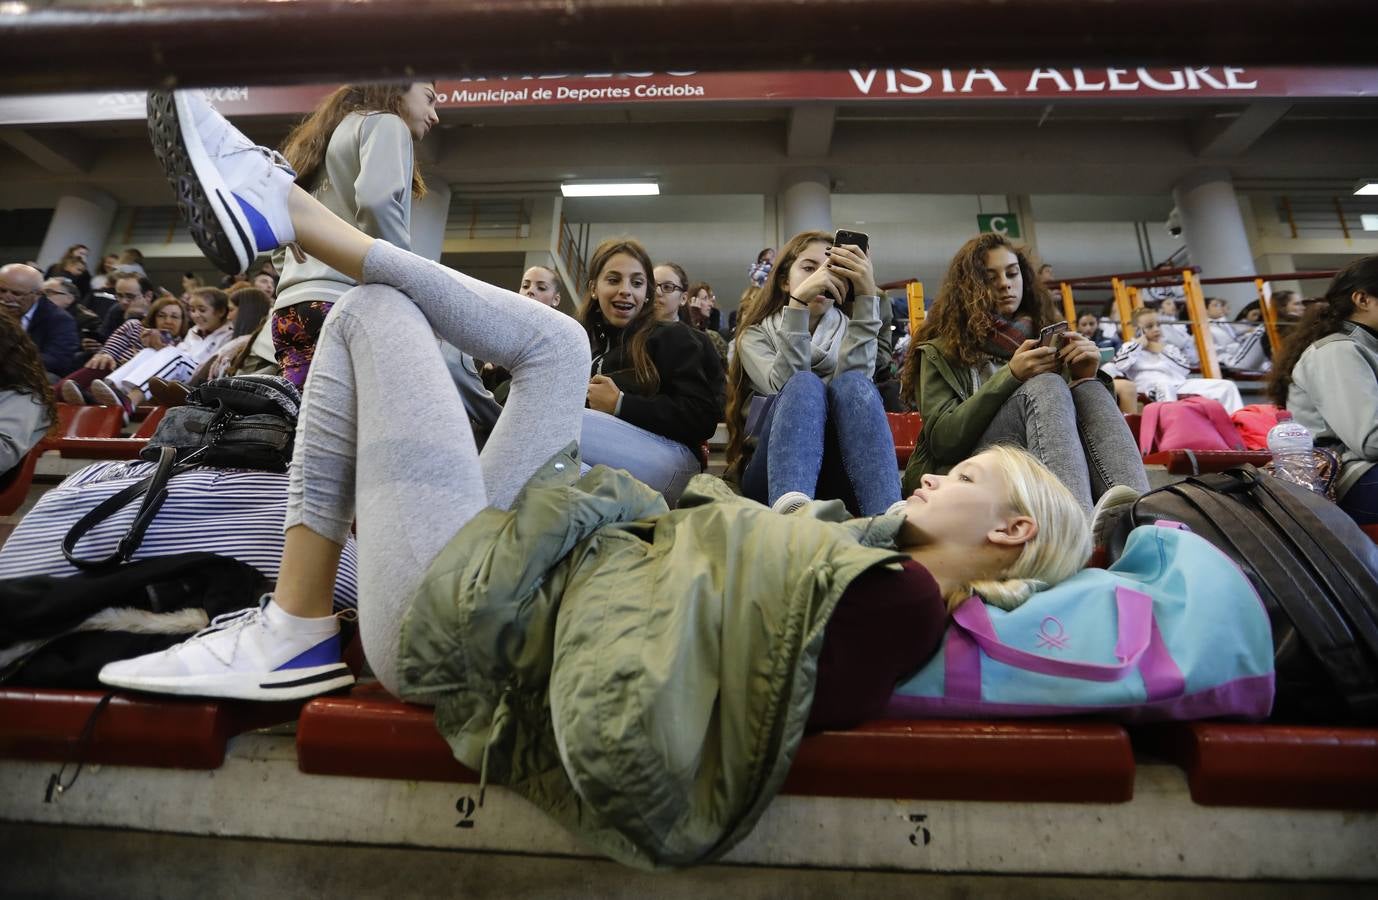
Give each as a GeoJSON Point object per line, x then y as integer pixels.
{"type": "Point", "coordinates": [1058, 551]}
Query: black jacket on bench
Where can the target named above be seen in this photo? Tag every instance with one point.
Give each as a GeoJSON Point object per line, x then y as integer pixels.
{"type": "Point", "coordinates": [688, 405]}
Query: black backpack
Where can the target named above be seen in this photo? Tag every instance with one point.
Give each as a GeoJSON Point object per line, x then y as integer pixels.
{"type": "Point", "coordinates": [1316, 571]}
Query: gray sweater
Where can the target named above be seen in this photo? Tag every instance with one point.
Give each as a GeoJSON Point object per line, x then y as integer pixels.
{"type": "Point", "coordinates": [774, 350]}
{"type": "Point", "coordinates": [23, 422]}
{"type": "Point", "coordinates": [1334, 393]}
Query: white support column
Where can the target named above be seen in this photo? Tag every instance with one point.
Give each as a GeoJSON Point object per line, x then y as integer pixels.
{"type": "Point", "coordinates": [1213, 228]}
{"type": "Point", "coordinates": [805, 202]}
{"type": "Point", "coordinates": [81, 217]}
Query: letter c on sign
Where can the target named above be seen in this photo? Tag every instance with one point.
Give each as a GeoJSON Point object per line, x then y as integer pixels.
{"type": "Point", "coordinates": [999, 225]}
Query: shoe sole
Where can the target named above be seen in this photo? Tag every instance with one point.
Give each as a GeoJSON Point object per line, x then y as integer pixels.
{"type": "Point", "coordinates": [290, 684]}
{"type": "Point", "coordinates": [202, 196]}
{"type": "Point", "coordinates": [72, 394]}
{"type": "Point", "coordinates": [104, 394]}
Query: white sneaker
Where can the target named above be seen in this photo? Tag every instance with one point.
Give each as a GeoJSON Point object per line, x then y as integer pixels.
{"type": "Point", "coordinates": [791, 501]}
{"type": "Point", "coordinates": [232, 192]}
{"type": "Point", "coordinates": [1113, 504]}
{"type": "Point", "coordinates": [253, 654]}
{"type": "Point", "coordinates": [72, 394]}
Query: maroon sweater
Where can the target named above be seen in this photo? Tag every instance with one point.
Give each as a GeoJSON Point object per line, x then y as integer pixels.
{"type": "Point", "coordinates": [885, 627]}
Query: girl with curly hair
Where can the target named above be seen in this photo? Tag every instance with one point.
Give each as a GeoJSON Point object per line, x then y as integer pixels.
{"type": "Point", "coordinates": [27, 409]}
{"type": "Point", "coordinates": [979, 377]}
{"type": "Point", "coordinates": [1327, 377]}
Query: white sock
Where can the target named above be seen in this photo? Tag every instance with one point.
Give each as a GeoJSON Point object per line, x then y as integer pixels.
{"type": "Point", "coordinates": [300, 625]}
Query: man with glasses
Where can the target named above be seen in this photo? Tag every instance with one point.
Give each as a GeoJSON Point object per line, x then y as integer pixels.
{"type": "Point", "coordinates": [133, 296]}
{"type": "Point", "coordinates": [51, 329]}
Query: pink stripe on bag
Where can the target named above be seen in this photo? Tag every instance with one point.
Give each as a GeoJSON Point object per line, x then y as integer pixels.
{"type": "Point", "coordinates": [962, 666]}
{"type": "Point", "coordinates": [1162, 678]}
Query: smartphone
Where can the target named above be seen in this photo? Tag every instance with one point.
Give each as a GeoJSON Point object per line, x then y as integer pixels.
{"type": "Point", "coordinates": [862, 241]}
{"type": "Point", "coordinates": [1051, 335]}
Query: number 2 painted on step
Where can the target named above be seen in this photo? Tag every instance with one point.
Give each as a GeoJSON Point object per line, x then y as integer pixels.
{"type": "Point", "coordinates": [465, 807]}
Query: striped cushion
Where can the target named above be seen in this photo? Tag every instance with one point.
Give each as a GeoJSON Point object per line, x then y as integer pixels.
{"type": "Point", "coordinates": [233, 512]}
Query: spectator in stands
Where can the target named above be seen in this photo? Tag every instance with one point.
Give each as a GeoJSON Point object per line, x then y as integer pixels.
{"type": "Point", "coordinates": [759, 271]}
{"type": "Point", "coordinates": [1046, 277]}
{"type": "Point", "coordinates": [190, 282]}
{"type": "Point", "coordinates": [27, 410]}
{"type": "Point", "coordinates": [699, 311]}
{"type": "Point", "coordinates": [128, 385]}
{"type": "Point", "coordinates": [63, 294]}
{"type": "Point", "coordinates": [804, 418]}
{"type": "Point", "coordinates": [1223, 332]}
{"type": "Point", "coordinates": [163, 324]}
{"type": "Point", "coordinates": [1175, 333]}
{"type": "Point", "coordinates": [542, 285]}
{"type": "Point", "coordinates": [52, 330]}
{"type": "Point", "coordinates": [736, 314]}
{"type": "Point", "coordinates": [671, 286]}
{"type": "Point", "coordinates": [979, 377]}
{"type": "Point", "coordinates": [355, 153]}
{"type": "Point", "coordinates": [133, 295]}
{"type": "Point", "coordinates": [72, 266]}
{"type": "Point", "coordinates": [266, 282]}
{"type": "Point", "coordinates": [249, 309]}
{"type": "Point", "coordinates": [108, 264]}
{"type": "Point", "coordinates": [1001, 526]}
{"type": "Point", "coordinates": [1160, 372]}
{"type": "Point", "coordinates": [1088, 325]}
{"type": "Point", "coordinates": [132, 260]}
{"type": "Point", "coordinates": [652, 395]}
{"type": "Point", "coordinates": [1253, 352]}
{"type": "Point", "coordinates": [1327, 377]}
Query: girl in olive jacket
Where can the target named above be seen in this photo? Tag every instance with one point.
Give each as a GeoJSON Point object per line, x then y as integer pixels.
{"type": "Point", "coordinates": [978, 377]}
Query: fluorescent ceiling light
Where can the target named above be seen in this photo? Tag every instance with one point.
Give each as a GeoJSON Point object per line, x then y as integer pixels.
{"type": "Point", "coordinates": [1370, 222]}
{"type": "Point", "coordinates": [1368, 187]}
{"type": "Point", "coordinates": [612, 189]}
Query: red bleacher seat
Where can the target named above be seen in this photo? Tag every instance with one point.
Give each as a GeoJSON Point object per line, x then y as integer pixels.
{"type": "Point", "coordinates": [904, 428]}
{"type": "Point", "coordinates": [1133, 420]}
{"type": "Point", "coordinates": [1197, 462]}
{"type": "Point", "coordinates": [1291, 766]}
{"type": "Point", "coordinates": [1371, 531]}
{"type": "Point", "coordinates": [371, 735]}
{"type": "Point", "coordinates": [14, 486]}
{"type": "Point", "coordinates": [84, 421]}
{"type": "Point", "coordinates": [113, 447]}
{"type": "Point", "coordinates": [134, 730]}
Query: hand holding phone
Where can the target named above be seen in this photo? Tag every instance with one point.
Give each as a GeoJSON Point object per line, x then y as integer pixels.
{"type": "Point", "coordinates": [853, 266]}
{"type": "Point", "coordinates": [1051, 335]}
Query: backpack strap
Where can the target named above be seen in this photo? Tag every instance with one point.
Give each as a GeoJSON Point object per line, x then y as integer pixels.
{"type": "Point", "coordinates": [154, 491]}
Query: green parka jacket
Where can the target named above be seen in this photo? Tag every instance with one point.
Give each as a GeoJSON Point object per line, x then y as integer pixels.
{"type": "Point", "coordinates": [643, 676]}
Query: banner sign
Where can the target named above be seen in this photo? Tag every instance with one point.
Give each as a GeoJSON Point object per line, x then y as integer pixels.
{"type": "Point", "coordinates": [999, 223]}
{"type": "Point", "coordinates": [850, 86]}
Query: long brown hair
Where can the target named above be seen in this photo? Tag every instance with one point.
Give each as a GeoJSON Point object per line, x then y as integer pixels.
{"type": "Point", "coordinates": [964, 314]}
{"type": "Point", "coordinates": [1322, 319]}
{"type": "Point", "coordinates": [638, 331]}
{"type": "Point", "coordinates": [305, 145]}
{"type": "Point", "coordinates": [21, 368]}
{"type": "Point", "coordinates": [769, 299]}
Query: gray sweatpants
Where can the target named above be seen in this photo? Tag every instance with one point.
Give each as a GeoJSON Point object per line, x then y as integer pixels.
{"type": "Point", "coordinates": [1080, 434]}
{"type": "Point", "coordinates": [383, 436]}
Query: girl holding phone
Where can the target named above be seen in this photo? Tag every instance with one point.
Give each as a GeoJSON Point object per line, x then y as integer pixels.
{"type": "Point", "coordinates": [979, 377]}
{"type": "Point", "coordinates": [804, 419]}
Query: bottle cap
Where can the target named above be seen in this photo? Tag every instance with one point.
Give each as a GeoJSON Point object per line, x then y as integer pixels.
{"type": "Point", "coordinates": [1284, 415]}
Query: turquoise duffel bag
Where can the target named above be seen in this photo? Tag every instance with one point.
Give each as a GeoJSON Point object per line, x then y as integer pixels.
{"type": "Point", "coordinates": [1173, 630]}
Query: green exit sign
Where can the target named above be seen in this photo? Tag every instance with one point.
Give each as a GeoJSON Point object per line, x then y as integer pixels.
{"type": "Point", "coordinates": [1000, 223]}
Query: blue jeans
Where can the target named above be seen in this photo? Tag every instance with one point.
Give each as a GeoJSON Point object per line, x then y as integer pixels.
{"type": "Point", "coordinates": [827, 441]}
{"type": "Point", "coordinates": [1361, 500]}
{"type": "Point", "coordinates": [664, 464]}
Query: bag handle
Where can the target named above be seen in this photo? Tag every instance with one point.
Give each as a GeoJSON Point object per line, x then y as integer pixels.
{"type": "Point", "coordinates": [1134, 611]}
{"type": "Point", "coordinates": [154, 491]}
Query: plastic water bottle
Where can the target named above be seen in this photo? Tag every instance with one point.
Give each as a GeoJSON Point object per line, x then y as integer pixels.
{"type": "Point", "coordinates": [1290, 443]}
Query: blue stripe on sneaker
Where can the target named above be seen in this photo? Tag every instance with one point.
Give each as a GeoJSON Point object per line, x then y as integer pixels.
{"type": "Point", "coordinates": [264, 239]}
{"type": "Point", "coordinates": [323, 654]}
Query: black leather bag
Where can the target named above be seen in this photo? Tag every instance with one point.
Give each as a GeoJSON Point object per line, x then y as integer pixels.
{"type": "Point", "coordinates": [1316, 571]}
{"type": "Point", "coordinates": [242, 422]}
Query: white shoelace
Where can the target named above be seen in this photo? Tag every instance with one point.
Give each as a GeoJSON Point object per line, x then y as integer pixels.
{"type": "Point", "coordinates": [234, 621]}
